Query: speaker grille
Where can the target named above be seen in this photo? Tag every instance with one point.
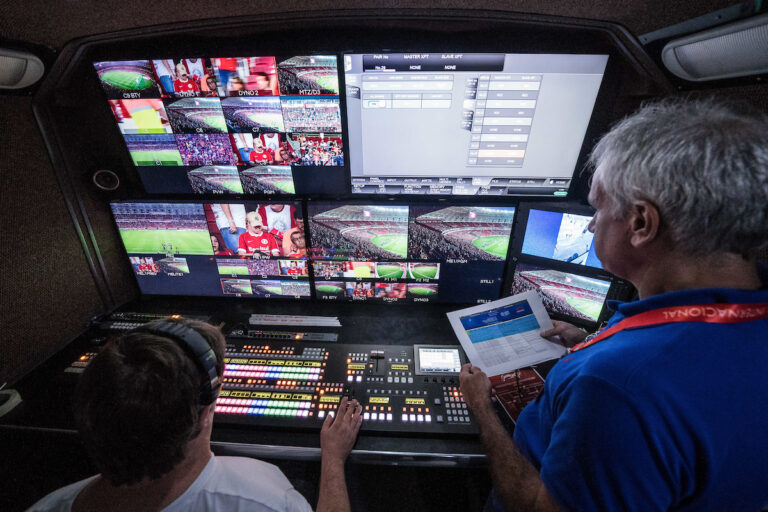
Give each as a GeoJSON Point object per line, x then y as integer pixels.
{"type": "Point", "coordinates": [740, 53]}
{"type": "Point", "coordinates": [11, 70]}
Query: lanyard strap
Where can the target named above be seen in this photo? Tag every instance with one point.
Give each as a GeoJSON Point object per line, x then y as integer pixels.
{"type": "Point", "coordinates": [708, 313]}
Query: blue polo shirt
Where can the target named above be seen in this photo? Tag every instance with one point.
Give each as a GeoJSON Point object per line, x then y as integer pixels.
{"type": "Point", "coordinates": [671, 417]}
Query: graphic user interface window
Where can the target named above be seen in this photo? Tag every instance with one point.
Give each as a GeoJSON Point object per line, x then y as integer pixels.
{"type": "Point", "coordinates": [468, 124]}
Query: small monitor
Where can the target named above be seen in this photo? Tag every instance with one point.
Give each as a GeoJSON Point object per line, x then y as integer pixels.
{"type": "Point", "coordinates": [437, 360]}
{"type": "Point", "coordinates": [575, 297]}
{"type": "Point", "coordinates": [561, 236]}
{"type": "Point", "coordinates": [490, 124]}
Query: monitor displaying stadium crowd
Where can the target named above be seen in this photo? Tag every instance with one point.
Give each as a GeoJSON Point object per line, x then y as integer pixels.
{"type": "Point", "coordinates": [234, 125]}
{"type": "Point", "coordinates": [408, 253]}
{"type": "Point", "coordinates": [245, 249]}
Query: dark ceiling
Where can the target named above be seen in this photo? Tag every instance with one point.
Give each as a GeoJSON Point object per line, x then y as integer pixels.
{"type": "Point", "coordinates": [53, 23]}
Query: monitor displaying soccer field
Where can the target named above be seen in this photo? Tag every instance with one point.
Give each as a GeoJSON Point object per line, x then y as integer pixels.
{"type": "Point", "coordinates": [178, 116]}
{"type": "Point", "coordinates": [409, 253]}
{"type": "Point", "coordinates": [569, 295]}
{"type": "Point", "coordinates": [244, 249]}
{"type": "Point", "coordinates": [468, 123]}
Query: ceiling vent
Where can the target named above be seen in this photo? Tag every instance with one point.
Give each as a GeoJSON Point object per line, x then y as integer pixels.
{"type": "Point", "coordinates": [730, 51]}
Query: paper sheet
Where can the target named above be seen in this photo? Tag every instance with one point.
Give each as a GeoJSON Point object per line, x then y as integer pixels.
{"type": "Point", "coordinates": [503, 335]}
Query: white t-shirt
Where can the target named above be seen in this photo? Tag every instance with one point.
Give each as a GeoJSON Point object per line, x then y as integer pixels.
{"type": "Point", "coordinates": [237, 211]}
{"type": "Point", "coordinates": [230, 484]}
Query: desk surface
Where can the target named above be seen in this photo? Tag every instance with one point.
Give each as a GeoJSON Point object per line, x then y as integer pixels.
{"type": "Point", "coordinates": [47, 391]}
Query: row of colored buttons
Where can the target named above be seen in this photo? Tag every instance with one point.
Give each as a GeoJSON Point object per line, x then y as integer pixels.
{"type": "Point", "coordinates": [295, 413]}
{"type": "Point", "coordinates": [274, 375]}
{"type": "Point", "coordinates": [266, 368]}
{"type": "Point", "coordinates": [263, 403]}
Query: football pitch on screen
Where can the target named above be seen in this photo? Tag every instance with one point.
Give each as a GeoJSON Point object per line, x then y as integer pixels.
{"type": "Point", "coordinates": [423, 272]}
{"type": "Point", "coordinates": [390, 271]}
{"type": "Point", "coordinates": [128, 80]}
{"type": "Point", "coordinates": [151, 242]}
{"type": "Point", "coordinates": [164, 157]}
{"type": "Point", "coordinates": [329, 82]}
{"type": "Point", "coordinates": [396, 243]}
{"type": "Point", "coordinates": [493, 245]}
{"type": "Point", "coordinates": [217, 122]}
{"type": "Point", "coordinates": [590, 308]}
{"type": "Point", "coordinates": [286, 186]}
{"type": "Point", "coordinates": [233, 185]}
{"type": "Point", "coordinates": [233, 270]}
{"type": "Point", "coordinates": [417, 290]}
{"type": "Point", "coordinates": [329, 288]}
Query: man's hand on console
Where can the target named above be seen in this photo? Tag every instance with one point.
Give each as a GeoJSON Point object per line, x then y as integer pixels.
{"type": "Point", "coordinates": [339, 433]}
{"type": "Point", "coordinates": [475, 387]}
{"type": "Point", "coordinates": [569, 335]}
{"type": "Point", "coordinates": [337, 438]}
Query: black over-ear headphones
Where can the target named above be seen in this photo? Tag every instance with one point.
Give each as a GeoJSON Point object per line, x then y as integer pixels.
{"type": "Point", "coordinates": [195, 346]}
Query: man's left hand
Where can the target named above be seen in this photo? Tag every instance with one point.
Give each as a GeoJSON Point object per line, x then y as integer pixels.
{"type": "Point", "coordinates": [475, 386]}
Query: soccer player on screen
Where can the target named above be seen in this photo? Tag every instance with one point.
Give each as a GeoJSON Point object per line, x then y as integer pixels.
{"type": "Point", "coordinates": [255, 241]}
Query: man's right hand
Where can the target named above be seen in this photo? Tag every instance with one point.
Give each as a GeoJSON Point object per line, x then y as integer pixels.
{"type": "Point", "coordinates": [232, 226]}
{"type": "Point", "coordinates": [339, 433]}
{"type": "Point", "coordinates": [570, 335]}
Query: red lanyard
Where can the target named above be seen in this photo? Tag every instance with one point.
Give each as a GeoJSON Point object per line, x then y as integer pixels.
{"type": "Point", "coordinates": [708, 313]}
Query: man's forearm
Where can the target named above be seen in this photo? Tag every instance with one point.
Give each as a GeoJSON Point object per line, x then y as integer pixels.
{"type": "Point", "coordinates": [333, 495]}
{"type": "Point", "coordinates": [515, 479]}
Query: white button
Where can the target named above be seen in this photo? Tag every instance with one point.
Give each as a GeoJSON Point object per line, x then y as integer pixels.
{"type": "Point", "coordinates": [428, 418]}
{"type": "Point", "coordinates": [350, 378]}
{"type": "Point", "coordinates": [359, 378]}
{"type": "Point", "coordinates": [389, 416]}
{"type": "Point", "coordinates": [410, 380]}
{"type": "Point", "coordinates": [382, 416]}
{"type": "Point", "coordinates": [321, 414]}
{"type": "Point", "coordinates": [331, 414]}
{"type": "Point", "coordinates": [412, 417]}
{"type": "Point", "coordinates": [420, 417]}
{"type": "Point", "coordinates": [405, 418]}
{"type": "Point", "coordinates": [389, 379]}
{"type": "Point", "coordinates": [397, 380]}
{"type": "Point", "coordinates": [366, 415]}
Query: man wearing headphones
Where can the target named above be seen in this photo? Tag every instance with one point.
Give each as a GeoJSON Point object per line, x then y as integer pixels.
{"type": "Point", "coordinates": [144, 410]}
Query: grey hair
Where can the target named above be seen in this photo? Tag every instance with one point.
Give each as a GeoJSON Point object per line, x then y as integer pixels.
{"type": "Point", "coordinates": [704, 164]}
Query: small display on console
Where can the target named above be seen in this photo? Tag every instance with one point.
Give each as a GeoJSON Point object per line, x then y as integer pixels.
{"type": "Point", "coordinates": [437, 360]}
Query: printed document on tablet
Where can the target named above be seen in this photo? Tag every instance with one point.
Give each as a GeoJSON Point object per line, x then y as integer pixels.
{"type": "Point", "coordinates": [503, 335]}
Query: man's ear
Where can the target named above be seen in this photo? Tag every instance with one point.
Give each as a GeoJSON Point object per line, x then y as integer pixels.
{"type": "Point", "coordinates": [644, 223]}
{"type": "Point", "coordinates": [206, 416]}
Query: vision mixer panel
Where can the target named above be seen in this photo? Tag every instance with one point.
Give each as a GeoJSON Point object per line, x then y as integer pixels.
{"type": "Point", "coordinates": [284, 384]}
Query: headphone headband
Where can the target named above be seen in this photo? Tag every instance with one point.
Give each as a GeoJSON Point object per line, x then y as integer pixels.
{"type": "Point", "coordinates": [198, 349]}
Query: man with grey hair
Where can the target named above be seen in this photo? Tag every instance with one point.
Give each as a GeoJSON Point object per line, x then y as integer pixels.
{"type": "Point", "coordinates": [666, 408]}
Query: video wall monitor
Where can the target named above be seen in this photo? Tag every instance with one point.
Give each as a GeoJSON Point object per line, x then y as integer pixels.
{"type": "Point", "coordinates": [572, 296]}
{"type": "Point", "coordinates": [234, 125]}
{"type": "Point", "coordinates": [408, 253]}
{"type": "Point", "coordinates": [468, 123]}
{"type": "Point", "coordinates": [247, 249]}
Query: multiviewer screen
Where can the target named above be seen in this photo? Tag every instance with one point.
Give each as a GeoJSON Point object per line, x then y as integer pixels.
{"type": "Point", "coordinates": [468, 124]}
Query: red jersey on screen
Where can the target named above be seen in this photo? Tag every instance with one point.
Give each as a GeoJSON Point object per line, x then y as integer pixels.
{"type": "Point", "coordinates": [185, 86]}
{"type": "Point", "coordinates": [228, 64]}
{"type": "Point", "coordinates": [294, 271]}
{"type": "Point", "coordinates": [263, 243]}
{"type": "Point", "coordinates": [264, 156]}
